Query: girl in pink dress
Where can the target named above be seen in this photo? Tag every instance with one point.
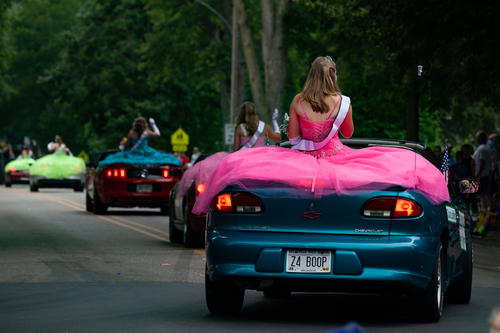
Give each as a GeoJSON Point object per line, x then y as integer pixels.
{"type": "Point", "coordinates": [250, 131]}
{"type": "Point", "coordinates": [318, 163]}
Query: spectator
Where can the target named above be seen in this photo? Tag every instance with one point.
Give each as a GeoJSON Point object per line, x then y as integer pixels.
{"type": "Point", "coordinates": [491, 140]}
{"type": "Point", "coordinates": [468, 150]}
{"type": "Point", "coordinates": [196, 154]}
{"type": "Point", "coordinates": [459, 170]}
{"type": "Point", "coordinates": [482, 160]}
{"type": "Point", "coordinates": [438, 153]}
{"type": "Point", "coordinates": [494, 159]}
{"type": "Point", "coordinates": [451, 158]}
{"type": "Point", "coordinates": [184, 160]}
{"type": "Point", "coordinates": [491, 219]}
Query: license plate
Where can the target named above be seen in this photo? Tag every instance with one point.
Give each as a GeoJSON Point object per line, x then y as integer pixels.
{"type": "Point", "coordinates": [144, 188]}
{"type": "Point", "coordinates": [308, 261]}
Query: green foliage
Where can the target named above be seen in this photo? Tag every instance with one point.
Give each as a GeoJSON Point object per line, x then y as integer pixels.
{"type": "Point", "coordinates": [35, 42]}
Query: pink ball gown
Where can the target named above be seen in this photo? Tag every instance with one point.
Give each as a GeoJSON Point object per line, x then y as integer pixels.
{"type": "Point", "coordinates": [335, 168]}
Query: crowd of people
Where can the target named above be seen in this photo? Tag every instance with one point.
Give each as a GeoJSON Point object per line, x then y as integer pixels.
{"type": "Point", "coordinates": [482, 164]}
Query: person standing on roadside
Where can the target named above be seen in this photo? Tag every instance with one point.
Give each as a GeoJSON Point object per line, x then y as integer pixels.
{"type": "Point", "coordinates": [494, 159]}
{"type": "Point", "coordinates": [468, 151]}
{"type": "Point", "coordinates": [482, 160]}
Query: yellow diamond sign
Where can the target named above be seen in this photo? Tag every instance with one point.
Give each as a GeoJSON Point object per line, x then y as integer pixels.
{"type": "Point", "coordinates": [83, 155]}
{"type": "Point", "coordinates": [180, 138]}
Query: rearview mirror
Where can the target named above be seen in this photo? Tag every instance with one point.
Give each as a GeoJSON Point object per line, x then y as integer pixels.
{"type": "Point", "coordinates": [469, 186]}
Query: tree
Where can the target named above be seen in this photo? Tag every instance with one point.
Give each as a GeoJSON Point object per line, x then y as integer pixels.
{"type": "Point", "coordinates": [99, 84]}
{"type": "Point", "coordinates": [273, 48]}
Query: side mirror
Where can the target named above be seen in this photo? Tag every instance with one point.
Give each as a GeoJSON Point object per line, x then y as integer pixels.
{"type": "Point", "coordinates": [177, 173]}
{"type": "Point", "coordinates": [468, 186]}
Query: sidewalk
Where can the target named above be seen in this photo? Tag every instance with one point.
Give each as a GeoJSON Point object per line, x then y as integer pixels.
{"type": "Point", "coordinates": [490, 237]}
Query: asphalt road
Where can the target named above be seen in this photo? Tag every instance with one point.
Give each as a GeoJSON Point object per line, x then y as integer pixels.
{"type": "Point", "coordinates": [65, 270]}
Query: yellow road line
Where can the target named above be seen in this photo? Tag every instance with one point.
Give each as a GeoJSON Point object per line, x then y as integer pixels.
{"type": "Point", "coordinates": [74, 204]}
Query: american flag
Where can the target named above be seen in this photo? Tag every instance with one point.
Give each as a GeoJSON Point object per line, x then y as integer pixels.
{"type": "Point", "coordinates": [445, 167]}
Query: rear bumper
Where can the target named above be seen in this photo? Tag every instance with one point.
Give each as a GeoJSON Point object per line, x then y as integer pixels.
{"type": "Point", "coordinates": [123, 193]}
{"type": "Point", "coordinates": [17, 177]}
{"type": "Point", "coordinates": [256, 260]}
{"type": "Point", "coordinates": [71, 182]}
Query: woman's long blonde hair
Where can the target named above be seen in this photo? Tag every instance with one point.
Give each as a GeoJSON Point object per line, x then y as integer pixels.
{"type": "Point", "coordinates": [320, 84]}
{"type": "Point", "coordinates": [248, 115]}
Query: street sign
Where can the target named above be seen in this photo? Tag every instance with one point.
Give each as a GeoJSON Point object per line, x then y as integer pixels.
{"type": "Point", "coordinates": [83, 155]}
{"type": "Point", "coordinates": [229, 134]}
{"type": "Point", "coordinates": [180, 138]}
{"type": "Point", "coordinates": [179, 148]}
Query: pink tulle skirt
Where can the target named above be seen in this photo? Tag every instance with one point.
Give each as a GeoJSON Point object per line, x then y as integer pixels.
{"type": "Point", "coordinates": [199, 172]}
{"type": "Point", "coordinates": [347, 172]}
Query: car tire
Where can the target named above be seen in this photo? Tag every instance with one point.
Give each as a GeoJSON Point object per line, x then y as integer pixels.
{"type": "Point", "coordinates": [99, 208]}
{"type": "Point", "coordinates": [78, 188]}
{"type": "Point", "coordinates": [460, 291]}
{"type": "Point", "coordinates": [174, 234]}
{"type": "Point", "coordinates": [277, 293]}
{"type": "Point", "coordinates": [88, 202]}
{"type": "Point", "coordinates": [223, 297]}
{"type": "Point", "coordinates": [8, 184]}
{"type": "Point", "coordinates": [189, 237]}
{"type": "Point", "coordinates": [430, 302]}
{"type": "Point", "coordinates": [33, 187]}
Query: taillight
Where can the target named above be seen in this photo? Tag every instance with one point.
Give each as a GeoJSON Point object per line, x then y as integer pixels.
{"type": "Point", "coordinates": [247, 203]}
{"type": "Point", "coordinates": [200, 188]}
{"type": "Point", "coordinates": [12, 169]}
{"type": "Point", "coordinates": [391, 208]}
{"type": "Point", "coordinates": [240, 203]}
{"type": "Point", "coordinates": [223, 203]}
{"type": "Point", "coordinates": [165, 173]}
{"type": "Point", "coordinates": [407, 208]}
{"type": "Point", "coordinates": [116, 173]}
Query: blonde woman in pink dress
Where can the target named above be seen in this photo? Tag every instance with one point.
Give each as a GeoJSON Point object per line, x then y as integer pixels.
{"type": "Point", "coordinates": [250, 131]}
{"type": "Point", "coordinates": [318, 163]}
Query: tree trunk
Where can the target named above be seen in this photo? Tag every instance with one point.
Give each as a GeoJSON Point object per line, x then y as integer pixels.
{"type": "Point", "coordinates": [273, 55]}
{"type": "Point", "coordinates": [251, 59]}
{"type": "Point", "coordinates": [412, 97]}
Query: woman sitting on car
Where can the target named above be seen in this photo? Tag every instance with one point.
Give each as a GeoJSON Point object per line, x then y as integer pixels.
{"type": "Point", "coordinates": [318, 163]}
{"type": "Point", "coordinates": [138, 152]}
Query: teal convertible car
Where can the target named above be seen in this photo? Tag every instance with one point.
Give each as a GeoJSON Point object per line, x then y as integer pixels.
{"type": "Point", "coordinates": [392, 241]}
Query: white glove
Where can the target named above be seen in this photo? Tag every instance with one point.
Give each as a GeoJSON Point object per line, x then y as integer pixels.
{"type": "Point", "coordinates": [50, 145]}
{"type": "Point", "coordinates": [275, 121]}
{"type": "Point", "coordinates": [153, 126]}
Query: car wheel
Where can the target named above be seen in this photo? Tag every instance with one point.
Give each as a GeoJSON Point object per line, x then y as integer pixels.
{"type": "Point", "coordinates": [460, 291]}
{"type": "Point", "coordinates": [79, 188]}
{"type": "Point", "coordinates": [430, 302]}
{"type": "Point", "coordinates": [8, 184]}
{"type": "Point", "coordinates": [190, 238]}
{"type": "Point", "coordinates": [175, 235]}
{"type": "Point", "coordinates": [99, 208]}
{"type": "Point", "coordinates": [33, 187]}
{"type": "Point", "coordinates": [223, 297]}
{"type": "Point", "coordinates": [88, 202]}
{"type": "Point", "coordinates": [277, 293]}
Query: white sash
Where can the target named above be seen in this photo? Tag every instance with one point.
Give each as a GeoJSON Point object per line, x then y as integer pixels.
{"type": "Point", "coordinates": [309, 145]}
{"type": "Point", "coordinates": [139, 141]}
{"type": "Point", "coordinates": [255, 136]}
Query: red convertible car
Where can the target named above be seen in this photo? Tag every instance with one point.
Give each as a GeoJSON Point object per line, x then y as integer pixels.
{"type": "Point", "coordinates": [120, 185]}
{"type": "Point", "coordinates": [184, 226]}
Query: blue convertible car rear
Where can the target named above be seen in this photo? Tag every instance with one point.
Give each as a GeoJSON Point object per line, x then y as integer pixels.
{"type": "Point", "coordinates": [392, 241]}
